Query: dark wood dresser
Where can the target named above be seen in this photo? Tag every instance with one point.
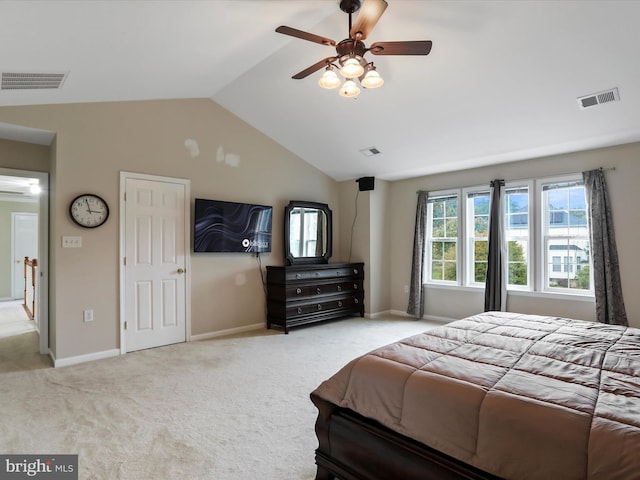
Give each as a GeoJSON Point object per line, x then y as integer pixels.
{"type": "Point", "coordinates": [300, 294]}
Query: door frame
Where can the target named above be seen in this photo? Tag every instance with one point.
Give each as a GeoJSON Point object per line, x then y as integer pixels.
{"type": "Point", "coordinates": [124, 176]}
{"type": "Point", "coordinates": [42, 299]}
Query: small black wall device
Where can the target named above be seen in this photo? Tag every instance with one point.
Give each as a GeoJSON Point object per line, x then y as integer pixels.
{"type": "Point", "coordinates": [366, 183]}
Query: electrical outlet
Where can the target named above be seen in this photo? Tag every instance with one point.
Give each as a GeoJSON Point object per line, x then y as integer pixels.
{"type": "Point", "coordinates": [88, 315]}
{"type": "Point", "coordinates": [71, 242]}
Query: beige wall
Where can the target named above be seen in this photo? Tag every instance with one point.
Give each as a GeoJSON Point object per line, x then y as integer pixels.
{"type": "Point", "coordinates": [624, 196]}
{"type": "Point", "coordinates": [95, 142]}
{"type": "Point", "coordinates": [24, 156]}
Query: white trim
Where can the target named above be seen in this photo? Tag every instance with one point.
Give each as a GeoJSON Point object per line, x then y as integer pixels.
{"type": "Point", "coordinates": [89, 357]}
{"type": "Point", "coordinates": [444, 320]}
{"type": "Point", "coordinates": [223, 333]}
{"type": "Point", "coordinates": [124, 176]}
{"type": "Point", "coordinates": [430, 318]}
{"type": "Point", "coordinates": [373, 316]}
{"type": "Point", "coordinates": [577, 297]}
{"type": "Point", "coordinates": [586, 297]}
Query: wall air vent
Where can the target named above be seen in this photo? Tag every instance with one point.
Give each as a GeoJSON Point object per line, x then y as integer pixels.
{"type": "Point", "coordinates": [370, 152]}
{"type": "Point", "coordinates": [31, 81]}
{"type": "Point", "coordinates": [594, 99]}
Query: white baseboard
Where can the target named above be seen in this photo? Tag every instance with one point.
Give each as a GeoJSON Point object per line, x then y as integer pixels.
{"type": "Point", "coordinates": [65, 362]}
{"type": "Point", "coordinates": [431, 318]}
{"type": "Point", "coordinates": [229, 331]}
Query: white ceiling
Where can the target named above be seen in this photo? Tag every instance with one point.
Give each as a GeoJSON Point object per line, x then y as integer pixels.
{"type": "Point", "coordinates": [500, 84]}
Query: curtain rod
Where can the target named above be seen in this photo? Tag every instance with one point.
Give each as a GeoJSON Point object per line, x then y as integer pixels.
{"type": "Point", "coordinates": [602, 169]}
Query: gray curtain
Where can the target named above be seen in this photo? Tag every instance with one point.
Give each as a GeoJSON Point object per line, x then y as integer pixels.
{"type": "Point", "coordinates": [495, 292]}
{"type": "Point", "coordinates": [604, 254]}
{"type": "Point", "coordinates": [416, 297]}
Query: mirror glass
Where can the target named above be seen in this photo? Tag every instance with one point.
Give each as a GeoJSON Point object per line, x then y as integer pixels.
{"type": "Point", "coordinates": [307, 232]}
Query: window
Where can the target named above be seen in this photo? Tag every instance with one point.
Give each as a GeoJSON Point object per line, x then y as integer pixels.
{"type": "Point", "coordinates": [565, 236]}
{"type": "Point", "coordinates": [547, 250]}
{"type": "Point", "coordinates": [442, 234]}
{"type": "Point", "coordinates": [478, 236]}
{"type": "Point", "coordinates": [517, 234]}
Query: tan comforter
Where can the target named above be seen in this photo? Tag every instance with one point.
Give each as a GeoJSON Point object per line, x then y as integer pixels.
{"type": "Point", "coordinates": [519, 396]}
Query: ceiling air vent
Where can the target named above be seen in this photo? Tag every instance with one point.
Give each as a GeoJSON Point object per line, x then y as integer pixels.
{"type": "Point", "coordinates": [370, 152]}
{"type": "Point", "coordinates": [31, 81]}
{"type": "Point", "coordinates": [594, 99]}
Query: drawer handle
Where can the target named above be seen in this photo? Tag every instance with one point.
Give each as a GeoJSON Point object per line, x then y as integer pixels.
{"type": "Point", "coordinates": [355, 271]}
{"type": "Point", "coordinates": [355, 300]}
{"type": "Point", "coordinates": [355, 286]}
{"type": "Point", "coordinates": [317, 274]}
{"type": "Point", "coordinates": [319, 307]}
{"type": "Point", "coordinates": [298, 291]}
{"type": "Point", "coordinates": [298, 275]}
{"type": "Point", "coordinates": [318, 290]}
{"type": "Point", "coordinates": [339, 303]}
{"type": "Point", "coordinates": [299, 310]}
{"type": "Point", "coordinates": [338, 273]}
{"type": "Point", "coordinates": [339, 288]}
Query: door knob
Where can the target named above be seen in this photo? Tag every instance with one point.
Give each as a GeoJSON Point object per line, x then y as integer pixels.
{"type": "Point", "coordinates": [181, 270]}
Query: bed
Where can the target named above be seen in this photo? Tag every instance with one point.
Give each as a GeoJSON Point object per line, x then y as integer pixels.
{"type": "Point", "coordinates": [495, 395]}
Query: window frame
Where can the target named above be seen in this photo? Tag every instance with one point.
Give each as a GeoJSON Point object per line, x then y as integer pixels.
{"type": "Point", "coordinates": [429, 236]}
{"type": "Point", "coordinates": [544, 262]}
{"type": "Point", "coordinates": [536, 258]}
{"type": "Point", "coordinates": [468, 194]}
{"type": "Point", "coordinates": [530, 251]}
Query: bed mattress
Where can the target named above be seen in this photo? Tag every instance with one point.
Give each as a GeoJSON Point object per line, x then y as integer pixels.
{"type": "Point", "coordinates": [518, 396]}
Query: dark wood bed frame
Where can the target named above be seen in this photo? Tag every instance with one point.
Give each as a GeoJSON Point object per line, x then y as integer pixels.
{"type": "Point", "coordinates": [352, 447]}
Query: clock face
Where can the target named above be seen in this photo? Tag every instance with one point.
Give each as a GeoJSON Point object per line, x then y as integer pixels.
{"type": "Point", "coordinates": [89, 210]}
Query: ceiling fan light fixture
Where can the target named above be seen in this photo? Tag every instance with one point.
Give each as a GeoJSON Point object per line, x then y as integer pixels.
{"type": "Point", "coordinates": [349, 89]}
{"type": "Point", "coordinates": [351, 68]}
{"type": "Point", "coordinates": [372, 79]}
{"type": "Point", "coordinates": [329, 79]}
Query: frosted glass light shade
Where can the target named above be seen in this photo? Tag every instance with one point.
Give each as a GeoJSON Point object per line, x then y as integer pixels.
{"type": "Point", "coordinates": [351, 68]}
{"type": "Point", "coordinates": [349, 89]}
{"type": "Point", "coordinates": [372, 80]}
{"type": "Point", "coordinates": [329, 80]}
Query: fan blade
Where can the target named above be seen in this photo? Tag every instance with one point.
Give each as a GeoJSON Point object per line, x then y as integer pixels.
{"type": "Point", "coordinates": [305, 35]}
{"type": "Point", "coordinates": [419, 47]}
{"type": "Point", "coordinates": [370, 13]}
{"type": "Point", "coordinates": [314, 68]}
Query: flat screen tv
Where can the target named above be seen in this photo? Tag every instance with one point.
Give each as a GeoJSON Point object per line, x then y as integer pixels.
{"type": "Point", "coordinates": [231, 227]}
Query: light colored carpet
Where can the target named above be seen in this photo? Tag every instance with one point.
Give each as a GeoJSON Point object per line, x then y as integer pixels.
{"type": "Point", "coordinates": [14, 320]}
{"type": "Point", "coordinates": [231, 408]}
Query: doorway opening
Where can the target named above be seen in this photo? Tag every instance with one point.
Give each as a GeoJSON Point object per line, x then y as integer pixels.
{"type": "Point", "coordinates": [24, 221]}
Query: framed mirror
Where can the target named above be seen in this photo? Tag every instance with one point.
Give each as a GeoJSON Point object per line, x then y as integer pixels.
{"type": "Point", "coordinates": [307, 233]}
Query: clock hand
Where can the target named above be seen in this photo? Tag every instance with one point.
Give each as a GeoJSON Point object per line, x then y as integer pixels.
{"type": "Point", "coordinates": [88, 207]}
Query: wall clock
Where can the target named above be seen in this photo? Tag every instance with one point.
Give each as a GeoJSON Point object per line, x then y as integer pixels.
{"type": "Point", "coordinates": [89, 210]}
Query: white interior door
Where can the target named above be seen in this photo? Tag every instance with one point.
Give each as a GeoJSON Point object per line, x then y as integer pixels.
{"type": "Point", "coordinates": [156, 240]}
{"type": "Point", "coordinates": [24, 243]}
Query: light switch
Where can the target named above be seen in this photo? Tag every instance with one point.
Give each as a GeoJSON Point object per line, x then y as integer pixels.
{"type": "Point", "coordinates": [71, 242]}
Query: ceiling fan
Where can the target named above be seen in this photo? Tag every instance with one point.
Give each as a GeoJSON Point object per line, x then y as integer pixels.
{"type": "Point", "coordinates": [350, 52]}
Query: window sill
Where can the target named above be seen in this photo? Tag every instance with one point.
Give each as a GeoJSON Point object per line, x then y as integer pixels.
{"type": "Point", "coordinates": [574, 297]}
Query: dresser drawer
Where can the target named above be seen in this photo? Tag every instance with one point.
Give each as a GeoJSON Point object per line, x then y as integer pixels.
{"type": "Point", "coordinates": [294, 310]}
{"type": "Point", "coordinates": [293, 292]}
{"type": "Point", "coordinates": [322, 274]}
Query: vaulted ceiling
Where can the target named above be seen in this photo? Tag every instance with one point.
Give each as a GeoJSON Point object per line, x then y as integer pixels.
{"type": "Point", "coordinates": [501, 83]}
